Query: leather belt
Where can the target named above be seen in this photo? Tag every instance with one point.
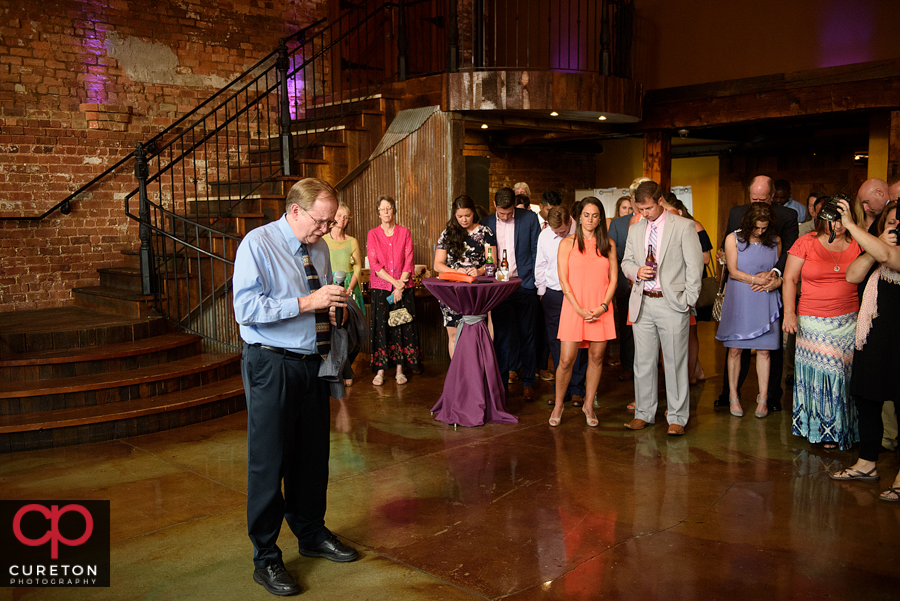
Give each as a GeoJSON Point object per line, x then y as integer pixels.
{"type": "Point", "coordinates": [287, 353]}
{"type": "Point", "coordinates": [653, 294]}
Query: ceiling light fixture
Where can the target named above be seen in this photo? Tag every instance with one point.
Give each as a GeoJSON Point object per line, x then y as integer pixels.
{"type": "Point", "coordinates": [602, 117]}
{"type": "Point", "coordinates": [554, 114]}
{"type": "Point", "coordinates": [484, 126]}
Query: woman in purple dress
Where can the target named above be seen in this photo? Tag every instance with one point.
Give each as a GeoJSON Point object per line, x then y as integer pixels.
{"type": "Point", "coordinates": [750, 313]}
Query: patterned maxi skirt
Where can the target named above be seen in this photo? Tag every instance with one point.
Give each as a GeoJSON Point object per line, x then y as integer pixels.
{"type": "Point", "coordinates": [823, 411]}
{"type": "Point", "coordinates": [398, 345]}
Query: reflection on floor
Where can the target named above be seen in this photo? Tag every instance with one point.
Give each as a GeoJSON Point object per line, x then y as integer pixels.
{"type": "Point", "coordinates": [738, 508]}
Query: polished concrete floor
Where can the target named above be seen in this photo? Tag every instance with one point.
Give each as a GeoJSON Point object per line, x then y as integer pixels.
{"type": "Point", "coordinates": [736, 509]}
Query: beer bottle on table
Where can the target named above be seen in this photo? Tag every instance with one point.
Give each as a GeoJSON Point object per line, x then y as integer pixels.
{"type": "Point", "coordinates": [504, 268]}
{"type": "Point", "coordinates": [489, 267]}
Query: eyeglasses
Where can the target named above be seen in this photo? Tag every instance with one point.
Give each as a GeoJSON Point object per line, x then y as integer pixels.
{"type": "Point", "coordinates": [320, 222]}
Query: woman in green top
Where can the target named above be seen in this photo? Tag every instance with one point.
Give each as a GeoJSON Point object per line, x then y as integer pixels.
{"type": "Point", "coordinates": [345, 256]}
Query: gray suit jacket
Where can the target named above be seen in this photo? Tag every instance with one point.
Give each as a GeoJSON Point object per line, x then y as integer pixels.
{"type": "Point", "coordinates": [680, 263]}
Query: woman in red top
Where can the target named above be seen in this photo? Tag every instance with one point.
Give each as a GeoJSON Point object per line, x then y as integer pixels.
{"type": "Point", "coordinates": [826, 330]}
{"type": "Point", "coordinates": [390, 251]}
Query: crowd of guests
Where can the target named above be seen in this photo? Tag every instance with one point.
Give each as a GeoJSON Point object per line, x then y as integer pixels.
{"type": "Point", "coordinates": [796, 280]}
{"type": "Point", "coordinates": [826, 275]}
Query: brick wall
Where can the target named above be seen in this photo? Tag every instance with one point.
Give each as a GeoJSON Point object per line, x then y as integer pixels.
{"type": "Point", "coordinates": [561, 171]}
{"type": "Point", "coordinates": [81, 82]}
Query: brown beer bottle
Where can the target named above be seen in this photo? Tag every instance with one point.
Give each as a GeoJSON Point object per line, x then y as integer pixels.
{"type": "Point", "coordinates": [504, 267]}
{"type": "Point", "coordinates": [651, 260]}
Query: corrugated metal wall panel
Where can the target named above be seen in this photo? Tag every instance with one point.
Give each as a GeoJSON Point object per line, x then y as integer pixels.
{"type": "Point", "coordinates": [415, 172]}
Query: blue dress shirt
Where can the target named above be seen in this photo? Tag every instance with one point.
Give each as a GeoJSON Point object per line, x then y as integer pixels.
{"type": "Point", "coordinates": [268, 279]}
{"type": "Point", "coordinates": [797, 206]}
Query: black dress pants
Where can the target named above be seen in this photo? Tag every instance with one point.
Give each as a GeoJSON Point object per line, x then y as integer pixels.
{"type": "Point", "coordinates": [552, 302]}
{"type": "Point", "coordinates": [516, 313]}
{"type": "Point", "coordinates": [623, 330]}
{"type": "Point", "coordinates": [288, 439]}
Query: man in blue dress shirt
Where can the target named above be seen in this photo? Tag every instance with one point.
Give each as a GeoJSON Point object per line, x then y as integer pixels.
{"type": "Point", "coordinates": [276, 297]}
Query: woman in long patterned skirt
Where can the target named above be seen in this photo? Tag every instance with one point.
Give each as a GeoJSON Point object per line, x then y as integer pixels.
{"type": "Point", "coordinates": [825, 324]}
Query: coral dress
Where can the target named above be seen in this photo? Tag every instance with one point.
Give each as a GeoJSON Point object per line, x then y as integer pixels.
{"type": "Point", "coordinates": [589, 280]}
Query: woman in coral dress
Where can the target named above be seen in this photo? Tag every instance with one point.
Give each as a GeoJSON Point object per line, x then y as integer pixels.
{"type": "Point", "coordinates": [588, 272]}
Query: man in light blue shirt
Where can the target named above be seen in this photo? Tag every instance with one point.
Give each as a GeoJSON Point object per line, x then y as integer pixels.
{"type": "Point", "coordinates": [782, 196]}
{"type": "Point", "coordinates": [281, 275]}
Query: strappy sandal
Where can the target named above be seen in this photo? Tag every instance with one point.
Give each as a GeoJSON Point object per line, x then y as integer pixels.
{"type": "Point", "coordinates": [348, 382]}
{"type": "Point", "coordinates": [401, 379]}
{"type": "Point", "coordinates": [378, 380]}
{"type": "Point", "coordinates": [854, 474]}
{"type": "Point", "coordinates": [893, 495]}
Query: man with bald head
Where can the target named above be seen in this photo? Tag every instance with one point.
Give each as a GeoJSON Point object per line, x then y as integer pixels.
{"type": "Point", "coordinates": [873, 195]}
{"type": "Point", "coordinates": [762, 189]}
{"type": "Point", "coordinates": [894, 187]}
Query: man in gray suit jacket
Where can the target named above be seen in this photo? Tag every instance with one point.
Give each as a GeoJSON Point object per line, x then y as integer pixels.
{"type": "Point", "coordinates": [659, 305]}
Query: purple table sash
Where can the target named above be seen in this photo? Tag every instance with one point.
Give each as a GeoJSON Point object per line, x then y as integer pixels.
{"type": "Point", "coordinates": [473, 389]}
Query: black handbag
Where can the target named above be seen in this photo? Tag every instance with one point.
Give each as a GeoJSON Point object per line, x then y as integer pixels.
{"type": "Point", "coordinates": [709, 289]}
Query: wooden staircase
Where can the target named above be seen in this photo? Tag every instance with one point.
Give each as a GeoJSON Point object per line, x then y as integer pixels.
{"type": "Point", "coordinates": [110, 366]}
{"type": "Point", "coordinates": [75, 375]}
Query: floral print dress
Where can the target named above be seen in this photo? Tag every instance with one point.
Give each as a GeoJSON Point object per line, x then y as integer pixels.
{"type": "Point", "coordinates": [473, 256]}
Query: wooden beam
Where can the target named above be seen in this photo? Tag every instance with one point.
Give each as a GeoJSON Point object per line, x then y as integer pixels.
{"type": "Point", "coordinates": [894, 146]}
{"type": "Point", "coordinates": [874, 94]}
{"type": "Point", "coordinates": [817, 91]}
{"type": "Point", "coordinates": [658, 157]}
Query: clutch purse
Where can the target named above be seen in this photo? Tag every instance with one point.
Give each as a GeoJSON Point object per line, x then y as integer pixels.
{"type": "Point", "coordinates": [455, 276]}
{"type": "Point", "coordinates": [398, 317]}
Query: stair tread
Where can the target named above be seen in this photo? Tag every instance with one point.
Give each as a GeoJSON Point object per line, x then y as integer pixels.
{"type": "Point", "coordinates": [61, 319]}
{"type": "Point", "coordinates": [60, 418]}
{"type": "Point", "coordinates": [120, 270]}
{"type": "Point", "coordinates": [120, 293]}
{"type": "Point", "coordinates": [97, 353]}
{"type": "Point", "coordinates": [172, 369]}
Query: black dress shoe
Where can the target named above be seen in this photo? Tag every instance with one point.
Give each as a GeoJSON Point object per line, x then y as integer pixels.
{"type": "Point", "coordinates": [276, 580]}
{"type": "Point", "coordinates": [332, 549]}
{"type": "Point", "coordinates": [774, 405]}
{"type": "Point", "coordinates": [720, 402]}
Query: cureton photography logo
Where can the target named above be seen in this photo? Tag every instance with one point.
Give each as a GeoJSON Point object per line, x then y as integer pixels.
{"type": "Point", "coordinates": [54, 543]}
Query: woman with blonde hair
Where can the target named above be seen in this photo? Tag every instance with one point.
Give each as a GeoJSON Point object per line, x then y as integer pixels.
{"type": "Point", "coordinates": [346, 257]}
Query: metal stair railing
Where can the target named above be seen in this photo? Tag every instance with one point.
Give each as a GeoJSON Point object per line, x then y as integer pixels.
{"type": "Point", "coordinates": [193, 187]}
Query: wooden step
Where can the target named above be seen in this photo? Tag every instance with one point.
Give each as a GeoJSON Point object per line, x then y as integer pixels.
{"type": "Point", "coordinates": [79, 425]}
{"type": "Point", "coordinates": [114, 300]}
{"type": "Point", "coordinates": [71, 327]}
{"type": "Point", "coordinates": [125, 278]}
{"type": "Point", "coordinates": [65, 363]}
{"type": "Point", "coordinates": [60, 418]}
{"type": "Point", "coordinates": [95, 389]}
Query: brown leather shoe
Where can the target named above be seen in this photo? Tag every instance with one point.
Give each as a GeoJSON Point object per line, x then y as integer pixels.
{"type": "Point", "coordinates": [675, 430]}
{"type": "Point", "coordinates": [546, 375]}
{"type": "Point", "coordinates": [577, 401]}
{"type": "Point", "coordinates": [513, 377]}
{"type": "Point", "coordinates": [636, 424]}
{"type": "Point", "coordinates": [528, 393]}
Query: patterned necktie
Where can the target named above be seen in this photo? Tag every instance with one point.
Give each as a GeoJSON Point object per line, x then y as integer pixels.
{"type": "Point", "coordinates": [323, 327]}
{"type": "Point", "coordinates": [649, 284]}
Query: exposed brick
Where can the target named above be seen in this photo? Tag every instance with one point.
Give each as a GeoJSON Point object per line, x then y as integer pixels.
{"type": "Point", "coordinates": [53, 60]}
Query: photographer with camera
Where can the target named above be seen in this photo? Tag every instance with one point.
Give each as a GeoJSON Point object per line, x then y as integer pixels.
{"type": "Point", "coordinates": [825, 326]}
{"type": "Point", "coordinates": [877, 331]}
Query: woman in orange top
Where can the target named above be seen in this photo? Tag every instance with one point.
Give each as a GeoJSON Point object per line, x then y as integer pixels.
{"type": "Point", "coordinates": [825, 324]}
{"type": "Point", "coordinates": [588, 272]}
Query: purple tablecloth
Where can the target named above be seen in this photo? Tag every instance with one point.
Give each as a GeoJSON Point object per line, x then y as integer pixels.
{"type": "Point", "coordinates": [473, 390]}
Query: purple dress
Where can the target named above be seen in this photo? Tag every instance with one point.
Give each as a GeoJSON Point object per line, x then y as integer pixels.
{"type": "Point", "coordinates": [750, 319]}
